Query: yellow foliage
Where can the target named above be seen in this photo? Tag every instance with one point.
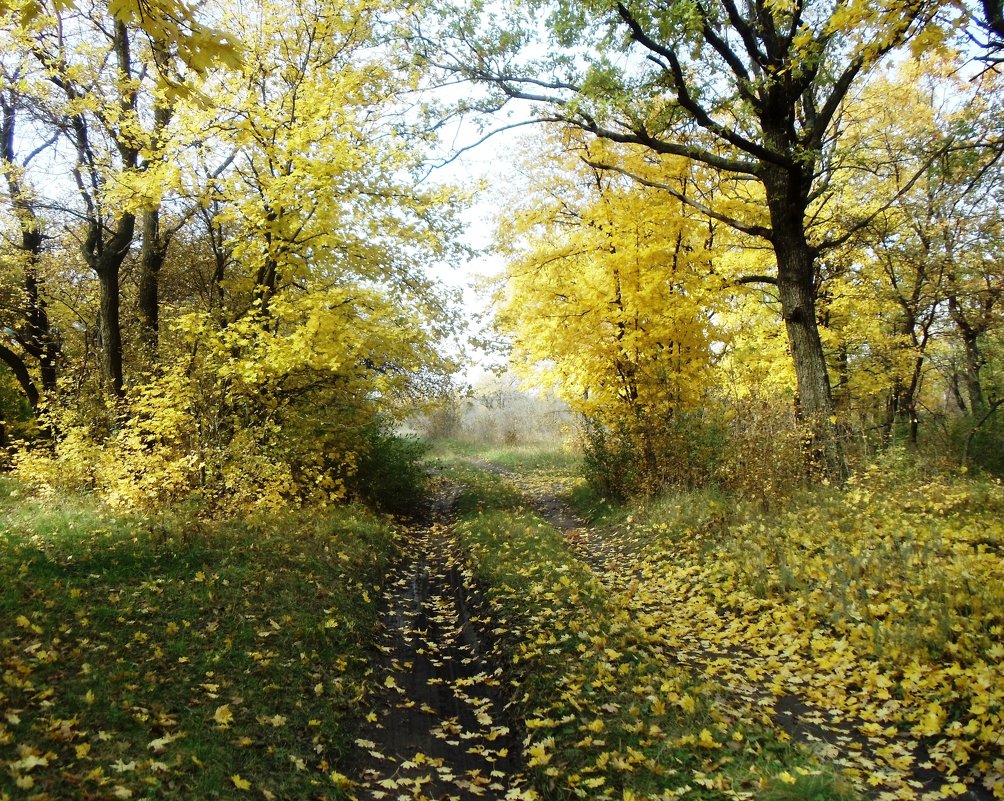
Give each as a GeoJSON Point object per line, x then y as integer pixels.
{"type": "Point", "coordinates": [604, 293]}
{"type": "Point", "coordinates": [261, 417]}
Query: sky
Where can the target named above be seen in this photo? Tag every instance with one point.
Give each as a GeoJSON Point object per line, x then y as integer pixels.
{"type": "Point", "coordinates": [492, 164]}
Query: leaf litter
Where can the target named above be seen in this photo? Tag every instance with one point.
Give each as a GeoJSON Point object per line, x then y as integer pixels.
{"type": "Point", "coordinates": [884, 717]}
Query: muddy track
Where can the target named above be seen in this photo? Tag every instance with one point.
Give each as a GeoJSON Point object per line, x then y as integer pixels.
{"type": "Point", "coordinates": [437, 729]}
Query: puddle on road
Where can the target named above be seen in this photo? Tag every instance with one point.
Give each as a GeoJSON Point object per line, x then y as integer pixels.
{"type": "Point", "coordinates": [438, 729]}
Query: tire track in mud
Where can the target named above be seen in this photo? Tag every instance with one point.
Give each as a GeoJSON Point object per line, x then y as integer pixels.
{"type": "Point", "coordinates": [438, 729]}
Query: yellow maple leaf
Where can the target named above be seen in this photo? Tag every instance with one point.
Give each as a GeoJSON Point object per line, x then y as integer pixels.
{"type": "Point", "coordinates": [239, 783]}
{"type": "Point", "coordinates": [538, 755]}
{"type": "Point", "coordinates": [340, 780]}
{"type": "Point", "coordinates": [223, 716]}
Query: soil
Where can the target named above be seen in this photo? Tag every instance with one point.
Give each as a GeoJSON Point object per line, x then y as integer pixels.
{"type": "Point", "coordinates": [438, 728]}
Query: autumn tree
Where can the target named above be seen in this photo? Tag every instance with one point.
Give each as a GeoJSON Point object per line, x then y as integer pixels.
{"type": "Point", "coordinates": [93, 108]}
{"type": "Point", "coordinates": [750, 90]}
{"type": "Point", "coordinates": [604, 298]}
{"type": "Point", "coordinates": [281, 278]}
{"type": "Point", "coordinates": [923, 134]}
{"type": "Point", "coordinates": [172, 24]}
{"type": "Point", "coordinates": [35, 343]}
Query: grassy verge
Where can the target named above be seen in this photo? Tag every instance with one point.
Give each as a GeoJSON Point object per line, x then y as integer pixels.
{"type": "Point", "coordinates": [608, 713]}
{"type": "Point", "coordinates": [882, 604]}
{"type": "Point", "coordinates": [157, 661]}
{"type": "Point", "coordinates": [548, 459]}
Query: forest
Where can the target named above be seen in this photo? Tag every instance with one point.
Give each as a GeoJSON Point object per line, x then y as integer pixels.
{"type": "Point", "coordinates": [728, 521]}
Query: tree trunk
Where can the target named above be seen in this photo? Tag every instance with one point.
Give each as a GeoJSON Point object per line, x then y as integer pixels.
{"type": "Point", "coordinates": [151, 260]}
{"type": "Point", "coordinates": [155, 242]}
{"type": "Point", "coordinates": [971, 371]}
{"type": "Point", "coordinates": [111, 329]}
{"type": "Point", "coordinates": [37, 340]}
{"type": "Point", "coordinates": [955, 391]}
{"type": "Point", "coordinates": [969, 333]}
{"type": "Point", "coordinates": [797, 291]}
{"type": "Point", "coordinates": [20, 371]}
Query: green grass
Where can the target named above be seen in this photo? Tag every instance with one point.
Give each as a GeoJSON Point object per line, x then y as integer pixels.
{"type": "Point", "coordinates": [169, 659]}
{"type": "Point", "coordinates": [546, 458]}
{"type": "Point", "coordinates": [609, 715]}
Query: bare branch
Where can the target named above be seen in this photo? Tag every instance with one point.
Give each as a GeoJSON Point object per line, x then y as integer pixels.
{"type": "Point", "coordinates": [745, 33]}
{"type": "Point", "coordinates": [691, 106]}
{"type": "Point", "coordinates": [756, 279]}
{"type": "Point", "coordinates": [40, 149]}
{"type": "Point", "coordinates": [864, 222]}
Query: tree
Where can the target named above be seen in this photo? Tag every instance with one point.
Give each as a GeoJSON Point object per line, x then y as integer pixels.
{"type": "Point", "coordinates": [750, 90]}
{"type": "Point", "coordinates": [604, 298]}
{"type": "Point", "coordinates": [32, 331]}
{"type": "Point", "coordinates": [96, 109]}
{"type": "Point", "coordinates": [170, 24]}
{"type": "Point", "coordinates": [285, 236]}
{"type": "Point", "coordinates": [928, 264]}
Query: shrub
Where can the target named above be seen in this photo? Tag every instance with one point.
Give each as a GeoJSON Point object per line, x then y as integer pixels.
{"type": "Point", "coordinates": [609, 460]}
{"type": "Point", "coordinates": [389, 474]}
{"type": "Point", "coordinates": [981, 442]}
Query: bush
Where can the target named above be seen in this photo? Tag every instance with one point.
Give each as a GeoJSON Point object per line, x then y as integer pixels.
{"type": "Point", "coordinates": [389, 474]}
{"type": "Point", "coordinates": [982, 447]}
{"type": "Point", "coordinates": [645, 455]}
{"type": "Point", "coordinates": [762, 456]}
{"type": "Point", "coordinates": [609, 460]}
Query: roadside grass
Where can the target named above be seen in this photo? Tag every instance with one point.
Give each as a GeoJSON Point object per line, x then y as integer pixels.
{"type": "Point", "coordinates": [881, 604]}
{"type": "Point", "coordinates": [609, 714]}
{"type": "Point", "coordinates": [550, 459]}
{"type": "Point", "coordinates": [168, 659]}
{"type": "Point", "coordinates": [482, 492]}
{"type": "Point", "coordinates": [591, 507]}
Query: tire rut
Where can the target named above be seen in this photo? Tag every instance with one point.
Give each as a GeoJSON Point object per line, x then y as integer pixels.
{"type": "Point", "coordinates": [437, 729]}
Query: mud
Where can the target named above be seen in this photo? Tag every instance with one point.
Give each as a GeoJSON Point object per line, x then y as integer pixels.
{"type": "Point", "coordinates": [438, 728]}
